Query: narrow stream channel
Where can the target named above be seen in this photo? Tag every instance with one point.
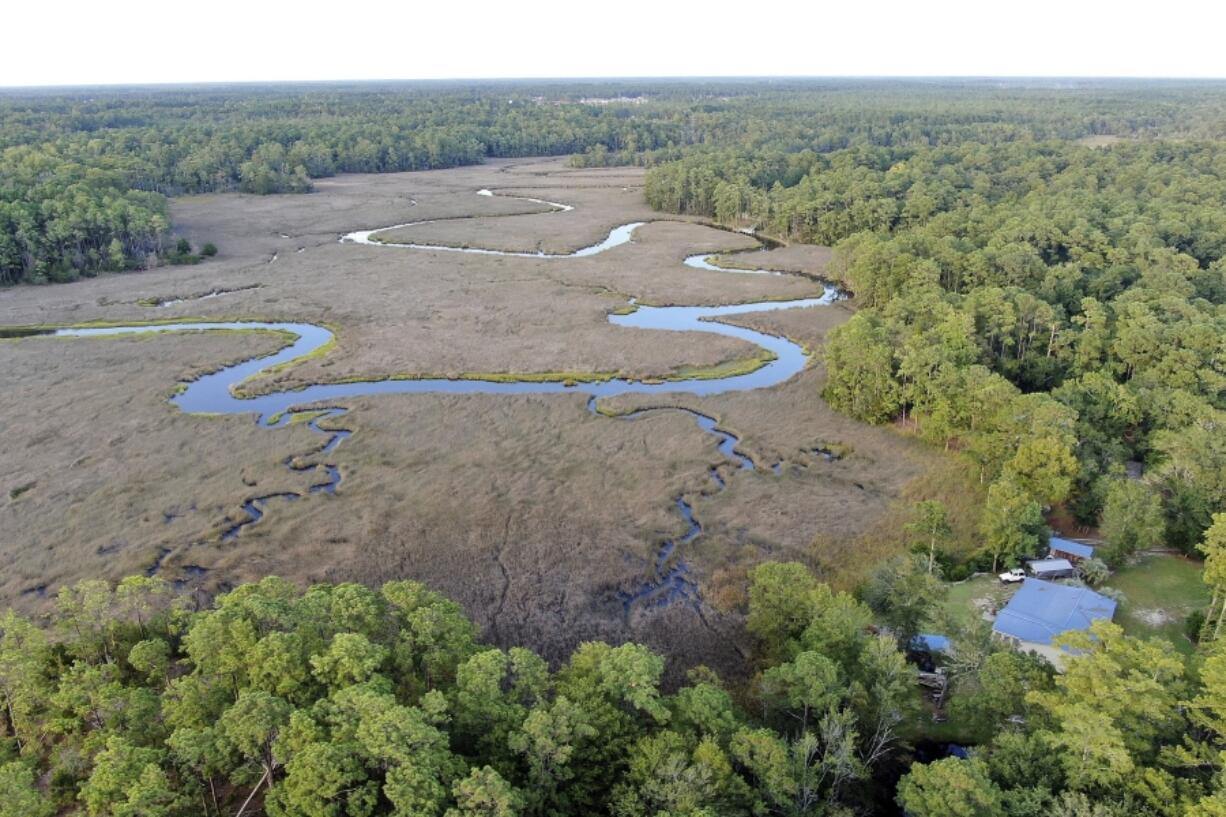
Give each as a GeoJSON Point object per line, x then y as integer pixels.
{"type": "Point", "coordinates": [670, 581]}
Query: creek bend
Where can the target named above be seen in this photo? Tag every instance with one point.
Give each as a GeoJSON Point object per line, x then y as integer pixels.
{"type": "Point", "coordinates": [669, 580]}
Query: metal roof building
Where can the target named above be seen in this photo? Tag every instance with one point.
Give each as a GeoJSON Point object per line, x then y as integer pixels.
{"type": "Point", "coordinates": [930, 642]}
{"type": "Point", "coordinates": [1069, 549]}
{"type": "Point", "coordinates": [1051, 568]}
{"type": "Point", "coordinates": [1040, 611]}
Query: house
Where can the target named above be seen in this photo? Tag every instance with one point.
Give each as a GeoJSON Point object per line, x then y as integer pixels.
{"type": "Point", "coordinates": [1068, 549]}
{"type": "Point", "coordinates": [1051, 569]}
{"type": "Point", "coordinates": [1039, 611]}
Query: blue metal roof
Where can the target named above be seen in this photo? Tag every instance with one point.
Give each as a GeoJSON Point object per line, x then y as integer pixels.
{"type": "Point", "coordinates": [1074, 548]}
{"type": "Point", "coordinates": [927, 642]}
{"type": "Point", "coordinates": [1040, 611]}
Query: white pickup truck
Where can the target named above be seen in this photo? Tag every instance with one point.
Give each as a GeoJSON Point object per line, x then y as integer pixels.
{"type": "Point", "coordinates": [1013, 576]}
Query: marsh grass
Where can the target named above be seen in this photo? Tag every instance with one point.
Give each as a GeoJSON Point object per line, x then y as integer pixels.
{"type": "Point", "coordinates": [443, 488]}
{"type": "Point", "coordinates": [846, 563]}
{"type": "Point", "coordinates": [727, 368]}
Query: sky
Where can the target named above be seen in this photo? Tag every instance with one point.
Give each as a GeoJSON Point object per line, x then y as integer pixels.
{"type": "Point", "coordinates": [170, 41]}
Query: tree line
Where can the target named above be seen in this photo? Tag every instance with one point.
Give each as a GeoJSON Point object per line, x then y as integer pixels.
{"type": "Point", "coordinates": [345, 701]}
{"type": "Point", "coordinates": [84, 174]}
{"type": "Point", "coordinates": [1054, 313]}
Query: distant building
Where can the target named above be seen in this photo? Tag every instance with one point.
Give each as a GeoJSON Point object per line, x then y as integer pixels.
{"type": "Point", "coordinates": [1040, 611]}
{"type": "Point", "coordinates": [1068, 549]}
{"type": "Point", "coordinates": [1051, 569]}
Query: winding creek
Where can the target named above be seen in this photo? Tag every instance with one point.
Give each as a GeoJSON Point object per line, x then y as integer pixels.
{"type": "Point", "coordinates": [669, 581]}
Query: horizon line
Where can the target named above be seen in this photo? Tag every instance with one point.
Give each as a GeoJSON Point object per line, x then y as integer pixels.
{"type": "Point", "coordinates": [681, 78]}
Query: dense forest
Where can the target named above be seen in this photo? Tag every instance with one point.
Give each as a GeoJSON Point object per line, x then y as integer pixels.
{"type": "Point", "coordinates": [84, 174]}
{"type": "Point", "coordinates": [343, 701]}
{"type": "Point", "coordinates": [1054, 312]}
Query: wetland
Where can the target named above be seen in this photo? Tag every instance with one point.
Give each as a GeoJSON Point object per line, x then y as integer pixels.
{"type": "Point", "coordinates": [615, 380]}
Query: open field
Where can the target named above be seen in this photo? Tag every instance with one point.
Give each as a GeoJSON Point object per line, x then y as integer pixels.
{"type": "Point", "coordinates": [1160, 592]}
{"type": "Point", "coordinates": [529, 510]}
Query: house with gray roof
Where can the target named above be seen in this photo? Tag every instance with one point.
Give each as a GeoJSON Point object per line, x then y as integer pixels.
{"type": "Point", "coordinates": [1051, 568]}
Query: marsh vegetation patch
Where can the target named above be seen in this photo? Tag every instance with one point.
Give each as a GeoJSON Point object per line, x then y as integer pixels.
{"type": "Point", "coordinates": [530, 510]}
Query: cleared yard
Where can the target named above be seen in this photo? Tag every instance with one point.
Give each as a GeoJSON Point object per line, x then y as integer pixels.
{"type": "Point", "coordinates": [969, 600]}
{"type": "Point", "coordinates": [1160, 592]}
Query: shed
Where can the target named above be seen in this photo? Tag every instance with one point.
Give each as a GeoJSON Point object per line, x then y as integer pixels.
{"type": "Point", "coordinates": [930, 643]}
{"type": "Point", "coordinates": [927, 650]}
{"type": "Point", "coordinates": [1039, 611]}
{"type": "Point", "coordinates": [1068, 549]}
{"type": "Point", "coordinates": [1051, 568]}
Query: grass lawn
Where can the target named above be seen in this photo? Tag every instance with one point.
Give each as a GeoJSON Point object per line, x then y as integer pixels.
{"type": "Point", "coordinates": [960, 603]}
{"type": "Point", "coordinates": [1159, 593]}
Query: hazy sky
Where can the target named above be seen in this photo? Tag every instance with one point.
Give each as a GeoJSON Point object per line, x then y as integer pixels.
{"type": "Point", "coordinates": [125, 41]}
